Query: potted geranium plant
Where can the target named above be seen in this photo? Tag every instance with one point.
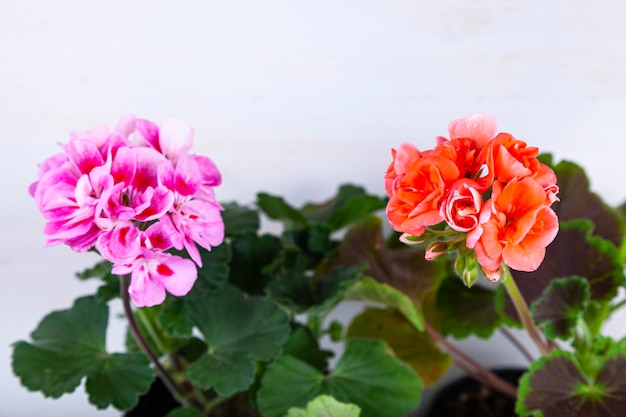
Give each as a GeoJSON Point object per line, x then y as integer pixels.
{"type": "Point", "coordinates": [485, 203]}
{"type": "Point", "coordinates": [239, 331]}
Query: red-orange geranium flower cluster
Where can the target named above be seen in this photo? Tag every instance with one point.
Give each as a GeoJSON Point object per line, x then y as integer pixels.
{"type": "Point", "coordinates": [488, 187]}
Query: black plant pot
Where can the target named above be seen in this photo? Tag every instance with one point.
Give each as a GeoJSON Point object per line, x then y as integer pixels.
{"type": "Point", "coordinates": [467, 397]}
{"type": "Point", "coordinates": [157, 402]}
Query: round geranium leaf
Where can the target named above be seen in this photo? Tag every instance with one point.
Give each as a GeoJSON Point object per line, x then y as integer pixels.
{"type": "Point", "coordinates": [69, 346]}
{"type": "Point", "coordinates": [237, 329]}
{"type": "Point", "coordinates": [556, 386]}
{"type": "Point", "coordinates": [467, 311]}
{"type": "Point", "coordinates": [366, 375]}
{"type": "Point", "coordinates": [560, 306]}
{"type": "Point", "coordinates": [416, 348]}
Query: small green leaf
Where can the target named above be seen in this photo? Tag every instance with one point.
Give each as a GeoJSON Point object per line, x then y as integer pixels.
{"type": "Point", "coordinates": [172, 318]}
{"type": "Point", "coordinates": [560, 306]}
{"type": "Point", "coordinates": [278, 209]}
{"type": "Point", "coordinates": [214, 271]}
{"type": "Point", "coordinates": [467, 311]}
{"type": "Point", "coordinates": [366, 375]}
{"type": "Point", "coordinates": [368, 289]}
{"type": "Point", "coordinates": [325, 406]}
{"type": "Point", "coordinates": [355, 210]}
{"type": "Point", "coordinates": [350, 205]}
{"type": "Point", "coordinates": [69, 345]}
{"type": "Point", "coordinates": [556, 386]}
{"type": "Point", "coordinates": [250, 255]}
{"type": "Point", "coordinates": [304, 346]}
{"type": "Point", "coordinates": [415, 348]}
{"type": "Point", "coordinates": [239, 220]}
{"type": "Point", "coordinates": [318, 238]}
{"type": "Point", "coordinates": [236, 329]}
{"type": "Point", "coordinates": [102, 270]}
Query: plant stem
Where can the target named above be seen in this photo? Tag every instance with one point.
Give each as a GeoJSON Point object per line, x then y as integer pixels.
{"type": "Point", "coordinates": [522, 349]}
{"type": "Point", "coordinates": [471, 367]}
{"type": "Point", "coordinates": [167, 379]}
{"type": "Point", "coordinates": [523, 312]}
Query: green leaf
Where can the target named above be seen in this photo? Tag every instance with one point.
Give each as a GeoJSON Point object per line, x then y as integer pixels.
{"type": "Point", "coordinates": [290, 280]}
{"type": "Point", "coordinates": [560, 306]}
{"type": "Point", "coordinates": [578, 202]}
{"type": "Point", "coordinates": [351, 204]}
{"type": "Point", "coordinates": [102, 270]}
{"type": "Point", "coordinates": [404, 269]}
{"type": "Point", "coordinates": [69, 345]}
{"type": "Point", "coordinates": [172, 319]}
{"type": "Point", "coordinates": [369, 290]}
{"type": "Point", "coordinates": [250, 255]}
{"type": "Point", "coordinates": [293, 283]}
{"type": "Point", "coordinates": [237, 330]}
{"type": "Point", "coordinates": [277, 208]}
{"type": "Point", "coordinates": [304, 346]}
{"type": "Point", "coordinates": [227, 373]}
{"type": "Point", "coordinates": [214, 271]}
{"type": "Point", "coordinates": [318, 239]}
{"type": "Point", "coordinates": [325, 406]}
{"type": "Point", "coordinates": [467, 311]}
{"type": "Point", "coordinates": [415, 348]}
{"type": "Point", "coordinates": [119, 380]}
{"type": "Point", "coordinates": [366, 375]}
{"type": "Point", "coordinates": [355, 210]}
{"type": "Point", "coordinates": [574, 252]}
{"type": "Point", "coordinates": [556, 386]}
{"type": "Point", "coordinates": [185, 412]}
{"type": "Point", "coordinates": [239, 220]}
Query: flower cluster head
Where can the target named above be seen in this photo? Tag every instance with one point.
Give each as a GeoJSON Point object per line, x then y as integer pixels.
{"type": "Point", "coordinates": [133, 193]}
{"type": "Point", "coordinates": [488, 187]}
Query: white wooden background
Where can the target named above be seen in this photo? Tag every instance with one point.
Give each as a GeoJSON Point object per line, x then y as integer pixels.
{"type": "Point", "coordinates": [292, 97]}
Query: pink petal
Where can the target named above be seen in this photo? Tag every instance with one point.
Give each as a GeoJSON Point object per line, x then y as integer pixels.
{"type": "Point", "coordinates": [176, 274]}
{"type": "Point", "coordinates": [148, 134]}
{"type": "Point", "coordinates": [124, 166]}
{"type": "Point", "coordinates": [479, 127]}
{"type": "Point", "coordinates": [98, 135]}
{"type": "Point", "coordinates": [187, 176]}
{"type": "Point", "coordinates": [211, 175]}
{"type": "Point", "coordinates": [143, 290]}
{"type": "Point", "coordinates": [84, 154]}
{"type": "Point", "coordinates": [158, 202]}
{"type": "Point", "coordinates": [175, 138]}
{"type": "Point", "coordinates": [157, 237]}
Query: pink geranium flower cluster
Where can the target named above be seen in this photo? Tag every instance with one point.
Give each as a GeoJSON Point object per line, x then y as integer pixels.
{"type": "Point", "coordinates": [488, 187]}
{"type": "Point", "coordinates": [133, 193]}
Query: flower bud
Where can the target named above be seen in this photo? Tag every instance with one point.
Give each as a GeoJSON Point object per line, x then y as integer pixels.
{"type": "Point", "coordinates": [436, 249]}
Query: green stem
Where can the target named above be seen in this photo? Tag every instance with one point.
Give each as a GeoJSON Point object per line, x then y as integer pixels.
{"type": "Point", "coordinates": [167, 379]}
{"type": "Point", "coordinates": [587, 335]}
{"type": "Point", "coordinates": [523, 311]}
{"type": "Point", "coordinates": [147, 320]}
